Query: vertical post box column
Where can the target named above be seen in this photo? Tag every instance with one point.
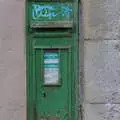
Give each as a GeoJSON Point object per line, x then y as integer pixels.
{"type": "Point", "coordinates": [52, 59]}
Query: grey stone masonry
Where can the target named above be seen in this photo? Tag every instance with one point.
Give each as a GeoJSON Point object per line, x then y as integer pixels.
{"type": "Point", "coordinates": [101, 81]}
{"type": "Point", "coordinates": [101, 19]}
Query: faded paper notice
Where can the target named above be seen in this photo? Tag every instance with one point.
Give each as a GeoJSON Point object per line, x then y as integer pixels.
{"type": "Point", "coordinates": [51, 68]}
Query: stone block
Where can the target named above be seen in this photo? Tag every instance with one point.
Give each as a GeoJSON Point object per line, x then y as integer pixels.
{"type": "Point", "coordinates": [101, 19]}
{"type": "Point", "coordinates": [101, 112]}
{"type": "Point", "coordinates": [102, 71]}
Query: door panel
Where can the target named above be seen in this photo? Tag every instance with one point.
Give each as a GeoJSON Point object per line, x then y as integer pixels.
{"type": "Point", "coordinates": [53, 84]}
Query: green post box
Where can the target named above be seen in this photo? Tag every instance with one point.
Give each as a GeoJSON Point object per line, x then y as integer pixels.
{"type": "Point", "coordinates": [52, 59]}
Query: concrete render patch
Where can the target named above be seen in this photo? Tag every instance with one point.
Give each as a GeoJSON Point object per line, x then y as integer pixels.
{"type": "Point", "coordinates": [12, 61]}
{"type": "Point", "coordinates": [102, 71]}
{"type": "Point", "coordinates": [11, 1]}
{"type": "Point", "coordinates": [101, 19]}
{"type": "Point", "coordinates": [101, 111]}
{"type": "Point", "coordinates": [14, 111]}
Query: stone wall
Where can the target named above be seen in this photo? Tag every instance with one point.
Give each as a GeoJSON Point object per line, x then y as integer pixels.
{"type": "Point", "coordinates": [12, 61]}
{"type": "Point", "coordinates": [101, 28]}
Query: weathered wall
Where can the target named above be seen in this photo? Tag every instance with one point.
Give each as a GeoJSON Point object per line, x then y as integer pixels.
{"type": "Point", "coordinates": [101, 20]}
{"type": "Point", "coordinates": [12, 65]}
{"type": "Point", "coordinates": [101, 33]}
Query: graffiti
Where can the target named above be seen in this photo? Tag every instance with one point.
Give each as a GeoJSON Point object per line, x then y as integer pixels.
{"type": "Point", "coordinates": [50, 11]}
{"type": "Point", "coordinates": [66, 11]}
{"type": "Point", "coordinates": [42, 11]}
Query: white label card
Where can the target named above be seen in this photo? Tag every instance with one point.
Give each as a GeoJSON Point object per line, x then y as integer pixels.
{"type": "Point", "coordinates": [51, 68]}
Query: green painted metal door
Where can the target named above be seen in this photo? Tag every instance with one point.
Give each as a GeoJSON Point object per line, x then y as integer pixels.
{"type": "Point", "coordinates": [53, 84]}
{"type": "Point", "coordinates": [52, 59]}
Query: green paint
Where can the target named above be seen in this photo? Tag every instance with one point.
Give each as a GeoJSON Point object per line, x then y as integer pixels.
{"type": "Point", "coordinates": [54, 14]}
{"type": "Point", "coordinates": [57, 100]}
{"type": "Point", "coordinates": [53, 101]}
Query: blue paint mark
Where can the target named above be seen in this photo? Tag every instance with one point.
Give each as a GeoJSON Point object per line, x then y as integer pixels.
{"type": "Point", "coordinates": [43, 11]}
{"type": "Point", "coordinates": [66, 11]}
{"type": "Point", "coordinates": [49, 11]}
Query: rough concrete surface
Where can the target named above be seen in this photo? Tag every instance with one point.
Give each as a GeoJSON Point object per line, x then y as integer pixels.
{"type": "Point", "coordinates": [102, 112]}
{"type": "Point", "coordinates": [102, 71]}
{"type": "Point", "coordinates": [101, 19]}
{"type": "Point", "coordinates": [101, 80]}
{"type": "Point", "coordinates": [12, 61]}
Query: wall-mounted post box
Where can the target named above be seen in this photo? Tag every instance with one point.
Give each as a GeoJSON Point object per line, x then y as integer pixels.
{"type": "Point", "coordinates": [52, 59]}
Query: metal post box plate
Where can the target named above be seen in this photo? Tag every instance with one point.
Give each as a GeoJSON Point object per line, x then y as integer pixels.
{"type": "Point", "coordinates": [50, 15]}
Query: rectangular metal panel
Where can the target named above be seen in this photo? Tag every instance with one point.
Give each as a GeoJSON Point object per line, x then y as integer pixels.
{"type": "Point", "coordinates": [53, 100]}
{"type": "Point", "coordinates": [39, 39]}
{"type": "Point", "coordinates": [50, 14]}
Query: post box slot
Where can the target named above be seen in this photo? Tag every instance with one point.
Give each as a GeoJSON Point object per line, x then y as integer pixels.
{"type": "Point", "coordinates": [51, 30]}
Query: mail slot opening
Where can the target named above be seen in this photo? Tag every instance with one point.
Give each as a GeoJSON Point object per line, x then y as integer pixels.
{"type": "Point", "coordinates": [51, 29]}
